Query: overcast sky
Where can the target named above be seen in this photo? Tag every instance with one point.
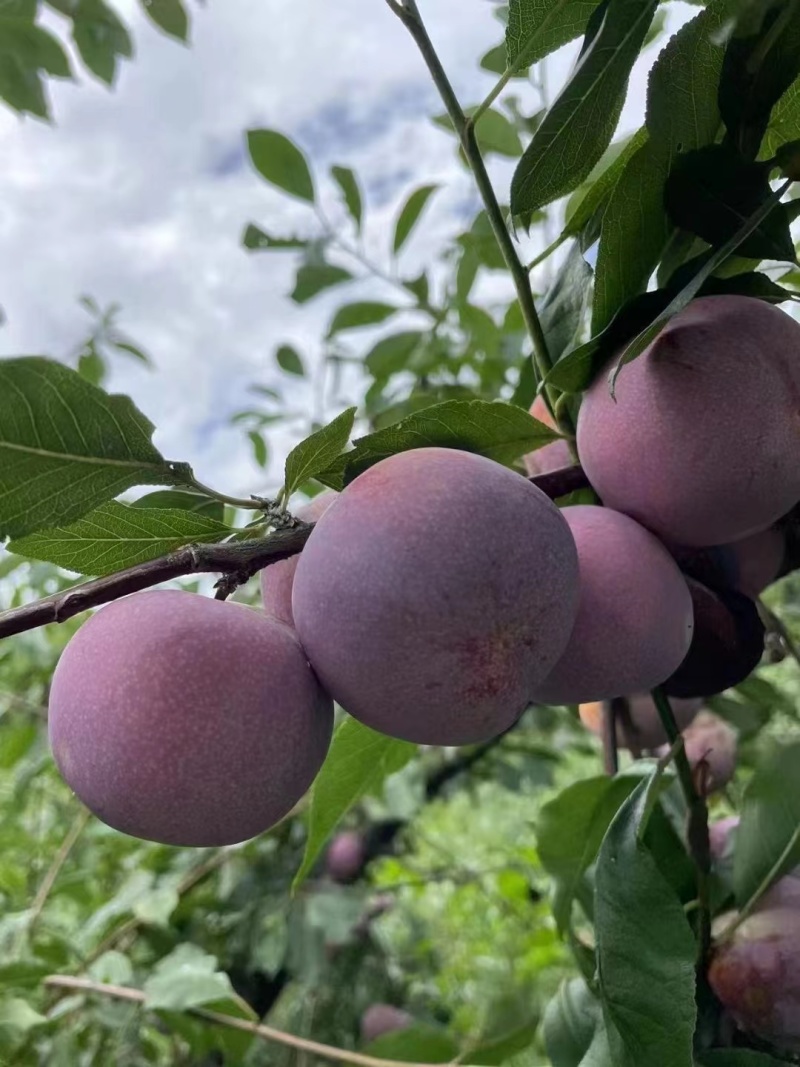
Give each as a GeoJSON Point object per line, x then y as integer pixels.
{"type": "Point", "coordinates": [140, 196]}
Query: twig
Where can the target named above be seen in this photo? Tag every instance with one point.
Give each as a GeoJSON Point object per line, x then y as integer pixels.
{"type": "Point", "coordinates": [265, 1033]}
{"type": "Point", "coordinates": [697, 823]}
{"type": "Point", "coordinates": [240, 559]}
{"type": "Point", "coordinates": [59, 860]}
{"type": "Point", "coordinates": [610, 752]}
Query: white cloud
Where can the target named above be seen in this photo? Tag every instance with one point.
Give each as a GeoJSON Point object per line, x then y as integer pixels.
{"type": "Point", "coordinates": [140, 196]}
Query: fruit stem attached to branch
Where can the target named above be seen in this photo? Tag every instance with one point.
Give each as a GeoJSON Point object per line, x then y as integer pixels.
{"type": "Point", "coordinates": [697, 822]}
{"type": "Point", "coordinates": [410, 16]}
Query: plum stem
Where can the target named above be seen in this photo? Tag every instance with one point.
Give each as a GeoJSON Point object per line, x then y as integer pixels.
{"type": "Point", "coordinates": [408, 13]}
{"type": "Point", "coordinates": [697, 822]}
{"type": "Point", "coordinates": [259, 1030]}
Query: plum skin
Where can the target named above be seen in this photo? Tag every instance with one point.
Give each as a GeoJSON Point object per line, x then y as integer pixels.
{"type": "Point", "coordinates": [434, 594]}
{"type": "Point", "coordinates": [278, 578]}
{"type": "Point", "coordinates": [185, 720]}
{"type": "Point", "coordinates": [634, 621]}
{"type": "Point", "coordinates": [380, 1019]}
{"type": "Point", "coordinates": [346, 856]}
{"type": "Point", "coordinates": [702, 444]}
{"type": "Point", "coordinates": [647, 731]}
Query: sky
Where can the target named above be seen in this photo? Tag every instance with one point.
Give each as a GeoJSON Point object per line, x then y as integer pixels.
{"type": "Point", "coordinates": [139, 196]}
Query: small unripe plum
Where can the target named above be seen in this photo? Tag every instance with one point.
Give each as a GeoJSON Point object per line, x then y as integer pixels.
{"type": "Point", "coordinates": [711, 747]}
{"type": "Point", "coordinates": [185, 720]}
{"type": "Point", "coordinates": [634, 621]}
{"type": "Point", "coordinates": [550, 457]}
{"type": "Point", "coordinates": [434, 595]}
{"type": "Point", "coordinates": [645, 730]}
{"type": "Point", "coordinates": [756, 974]}
{"type": "Point", "coordinates": [701, 444]}
{"type": "Point", "coordinates": [278, 578]}
{"type": "Point", "coordinates": [380, 1019]}
{"type": "Point", "coordinates": [727, 643]}
{"type": "Point", "coordinates": [720, 836]}
{"type": "Point", "coordinates": [345, 857]}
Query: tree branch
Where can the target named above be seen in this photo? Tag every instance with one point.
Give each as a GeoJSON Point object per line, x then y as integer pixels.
{"type": "Point", "coordinates": [265, 1033]}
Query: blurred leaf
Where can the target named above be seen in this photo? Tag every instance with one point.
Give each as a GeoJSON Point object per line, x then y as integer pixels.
{"type": "Point", "coordinates": [155, 907]}
{"type": "Point", "coordinates": [418, 287]}
{"type": "Point", "coordinates": [579, 125]}
{"type": "Point", "coordinates": [99, 34]}
{"type": "Point", "coordinates": [493, 132]}
{"type": "Point", "coordinates": [115, 535]}
{"type": "Point", "coordinates": [410, 213]}
{"type": "Point", "coordinates": [17, 1019]}
{"type": "Point", "coordinates": [130, 349]}
{"type": "Point", "coordinates": [570, 1021]}
{"type": "Point", "coordinates": [187, 978]}
{"type": "Point", "coordinates": [755, 76]}
{"type": "Point", "coordinates": [570, 830]}
{"type": "Point", "coordinates": [358, 761]}
{"type": "Point", "coordinates": [312, 456]}
{"type": "Point", "coordinates": [172, 498]}
{"type": "Point", "coordinates": [646, 951]}
{"type": "Point", "coordinates": [768, 838]}
{"type": "Point", "coordinates": [24, 974]}
{"type": "Point", "coordinates": [348, 183]}
{"type": "Point", "coordinates": [538, 27]}
{"type": "Point", "coordinates": [280, 162]}
{"type": "Point", "coordinates": [259, 447]}
{"type": "Point", "coordinates": [66, 447]}
{"type": "Point", "coordinates": [288, 359]}
{"type": "Point", "coordinates": [313, 278]}
{"type": "Point", "coordinates": [415, 1044]}
{"type": "Point", "coordinates": [92, 366]}
{"type": "Point", "coordinates": [169, 15]}
{"type": "Point", "coordinates": [391, 354]}
{"type": "Point", "coordinates": [26, 51]}
{"type": "Point", "coordinates": [365, 313]}
{"type": "Point", "coordinates": [256, 240]}
{"type": "Point", "coordinates": [499, 431]}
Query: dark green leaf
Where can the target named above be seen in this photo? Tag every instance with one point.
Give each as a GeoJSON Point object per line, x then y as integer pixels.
{"type": "Point", "coordinates": [280, 162]}
{"type": "Point", "coordinates": [415, 1044]}
{"type": "Point", "coordinates": [578, 127]}
{"type": "Point", "coordinates": [563, 308]}
{"type": "Point", "coordinates": [182, 500]}
{"type": "Point", "coordinates": [130, 349]}
{"type": "Point", "coordinates": [358, 762]}
{"type": "Point", "coordinates": [538, 27]}
{"type": "Point", "coordinates": [313, 278]}
{"type": "Point", "coordinates": [288, 359]}
{"type": "Point", "coordinates": [116, 535]}
{"type": "Point", "coordinates": [586, 201]}
{"type": "Point", "coordinates": [348, 183]}
{"type": "Point", "coordinates": [25, 51]}
{"type": "Point", "coordinates": [312, 456]}
{"type": "Point", "coordinates": [499, 431]}
{"type": "Point", "coordinates": [646, 951]}
{"type": "Point", "coordinates": [365, 313]}
{"type": "Point", "coordinates": [570, 830]}
{"type": "Point", "coordinates": [391, 354]}
{"type": "Point", "coordinates": [758, 70]}
{"type": "Point", "coordinates": [768, 838]}
{"type": "Point", "coordinates": [66, 446]}
{"type": "Point", "coordinates": [410, 213]}
{"type": "Point", "coordinates": [570, 1021]}
{"type": "Point", "coordinates": [169, 15]}
{"type": "Point", "coordinates": [711, 192]}
{"type": "Point", "coordinates": [260, 454]}
{"type": "Point", "coordinates": [99, 35]}
{"type": "Point", "coordinates": [256, 240]}
{"type": "Point", "coordinates": [418, 287]}
{"type": "Point", "coordinates": [493, 132]}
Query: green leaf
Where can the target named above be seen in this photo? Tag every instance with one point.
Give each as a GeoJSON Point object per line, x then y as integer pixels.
{"type": "Point", "coordinates": [115, 535]}
{"type": "Point", "coordinates": [256, 240]}
{"type": "Point", "coordinates": [579, 126]}
{"type": "Point", "coordinates": [410, 213]}
{"type": "Point", "coordinates": [312, 456]}
{"type": "Point", "coordinates": [66, 446]}
{"type": "Point", "coordinates": [493, 132]}
{"type": "Point", "coordinates": [768, 838]}
{"type": "Point", "coordinates": [169, 15]}
{"type": "Point", "coordinates": [348, 183]}
{"type": "Point", "coordinates": [260, 453]}
{"type": "Point", "coordinates": [499, 431]}
{"type": "Point", "coordinates": [187, 978]}
{"type": "Point", "coordinates": [391, 354]}
{"type": "Point", "coordinates": [646, 951]}
{"type": "Point", "coordinates": [569, 832]}
{"type": "Point", "coordinates": [418, 1043]}
{"type": "Point", "coordinates": [288, 359]}
{"type": "Point", "coordinates": [313, 278]}
{"type": "Point", "coordinates": [364, 313]}
{"type": "Point", "coordinates": [587, 200]}
{"type": "Point", "coordinates": [358, 761]}
{"type": "Point", "coordinates": [570, 1021]}
{"type": "Point", "coordinates": [537, 27]}
{"type": "Point", "coordinates": [280, 162]}
{"type": "Point", "coordinates": [563, 308]}
{"type": "Point", "coordinates": [182, 499]}
{"type": "Point", "coordinates": [26, 50]}
{"type": "Point", "coordinates": [99, 35]}
{"type": "Point", "coordinates": [17, 1019]}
